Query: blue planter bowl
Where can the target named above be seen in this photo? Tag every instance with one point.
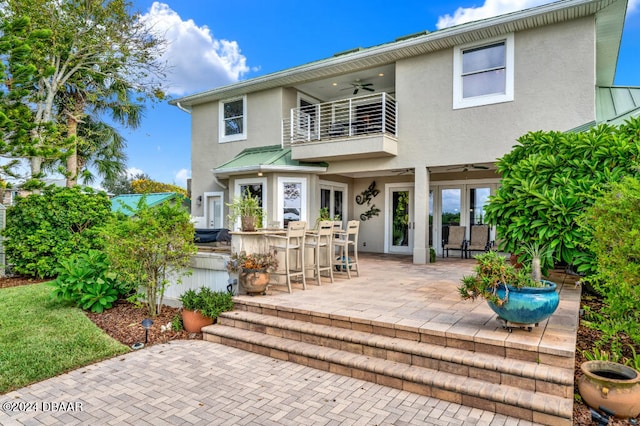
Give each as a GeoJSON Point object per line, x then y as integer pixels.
{"type": "Point", "coordinates": [527, 305]}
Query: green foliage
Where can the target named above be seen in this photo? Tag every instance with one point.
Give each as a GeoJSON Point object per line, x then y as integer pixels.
{"type": "Point", "coordinates": [490, 272]}
{"type": "Point", "coordinates": [147, 186]}
{"type": "Point", "coordinates": [176, 322]}
{"type": "Point", "coordinates": [208, 302]}
{"type": "Point", "coordinates": [549, 178]}
{"type": "Point", "coordinates": [245, 205]}
{"type": "Point", "coordinates": [44, 229]}
{"type": "Point", "coordinates": [150, 248]}
{"type": "Point", "coordinates": [85, 280]}
{"type": "Point", "coordinates": [614, 223]}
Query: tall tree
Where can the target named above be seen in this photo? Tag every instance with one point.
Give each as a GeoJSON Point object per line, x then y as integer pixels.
{"type": "Point", "coordinates": [18, 74]}
{"type": "Point", "coordinates": [100, 56]}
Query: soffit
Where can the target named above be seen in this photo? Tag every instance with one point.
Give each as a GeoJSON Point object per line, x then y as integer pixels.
{"type": "Point", "coordinates": [609, 23]}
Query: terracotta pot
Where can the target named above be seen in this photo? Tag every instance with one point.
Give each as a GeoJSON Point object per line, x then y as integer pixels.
{"type": "Point", "coordinates": [193, 321]}
{"type": "Point", "coordinates": [254, 280]}
{"type": "Point", "coordinates": [612, 386]}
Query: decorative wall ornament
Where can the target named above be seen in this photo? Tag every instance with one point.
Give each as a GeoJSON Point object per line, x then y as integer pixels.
{"type": "Point", "coordinates": [367, 194]}
{"type": "Point", "coordinates": [365, 197]}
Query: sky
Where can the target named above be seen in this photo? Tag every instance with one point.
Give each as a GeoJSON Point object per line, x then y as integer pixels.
{"type": "Point", "coordinates": [217, 42]}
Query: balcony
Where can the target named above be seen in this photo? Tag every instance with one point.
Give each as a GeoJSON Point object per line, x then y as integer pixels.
{"type": "Point", "coordinates": [359, 127]}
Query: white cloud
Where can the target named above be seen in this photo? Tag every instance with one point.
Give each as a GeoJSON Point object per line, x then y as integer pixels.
{"type": "Point", "coordinates": [197, 61]}
{"type": "Point", "coordinates": [182, 176]}
{"type": "Point", "coordinates": [133, 171]}
{"type": "Point", "coordinates": [488, 9]}
{"type": "Point", "coordinates": [632, 6]}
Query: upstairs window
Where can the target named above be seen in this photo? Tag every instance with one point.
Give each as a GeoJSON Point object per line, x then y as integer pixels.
{"type": "Point", "coordinates": [483, 74]}
{"type": "Point", "coordinates": [233, 119]}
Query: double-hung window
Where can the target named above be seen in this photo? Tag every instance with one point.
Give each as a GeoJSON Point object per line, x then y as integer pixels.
{"type": "Point", "coordinates": [483, 74]}
{"type": "Point", "coordinates": [233, 119]}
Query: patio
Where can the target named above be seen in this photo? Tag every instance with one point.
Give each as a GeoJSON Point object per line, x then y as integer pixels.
{"type": "Point", "coordinates": [398, 316]}
{"type": "Point", "coordinates": [393, 290]}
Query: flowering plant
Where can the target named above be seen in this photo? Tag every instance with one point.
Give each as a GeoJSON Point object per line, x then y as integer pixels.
{"type": "Point", "coordinates": [242, 260]}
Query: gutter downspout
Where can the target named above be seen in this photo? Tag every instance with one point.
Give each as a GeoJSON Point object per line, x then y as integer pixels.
{"type": "Point", "coordinates": [188, 111]}
{"type": "Point", "coordinates": [217, 181]}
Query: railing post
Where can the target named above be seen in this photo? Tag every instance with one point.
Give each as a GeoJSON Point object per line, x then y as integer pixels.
{"type": "Point", "coordinates": [384, 112]}
{"type": "Point", "coordinates": [291, 125]}
{"type": "Point", "coordinates": [350, 115]}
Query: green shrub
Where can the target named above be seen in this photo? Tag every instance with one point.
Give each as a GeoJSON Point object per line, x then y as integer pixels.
{"type": "Point", "coordinates": [547, 181]}
{"type": "Point", "coordinates": [614, 222]}
{"type": "Point", "coordinates": [84, 280]}
{"type": "Point", "coordinates": [44, 229]}
{"type": "Point", "coordinates": [150, 248]}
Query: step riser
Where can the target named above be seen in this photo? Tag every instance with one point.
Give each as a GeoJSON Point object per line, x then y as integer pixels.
{"type": "Point", "coordinates": [412, 334]}
{"type": "Point", "coordinates": [381, 378]}
{"type": "Point", "coordinates": [459, 368]}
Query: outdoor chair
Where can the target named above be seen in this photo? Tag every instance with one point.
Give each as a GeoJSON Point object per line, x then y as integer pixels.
{"type": "Point", "coordinates": [321, 242]}
{"type": "Point", "coordinates": [343, 241]}
{"type": "Point", "coordinates": [293, 241]}
{"type": "Point", "coordinates": [479, 239]}
{"type": "Point", "coordinates": [456, 240]}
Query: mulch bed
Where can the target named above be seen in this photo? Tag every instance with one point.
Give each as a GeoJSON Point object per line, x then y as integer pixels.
{"type": "Point", "coordinates": [123, 323]}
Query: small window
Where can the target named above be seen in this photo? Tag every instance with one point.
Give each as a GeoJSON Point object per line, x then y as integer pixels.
{"type": "Point", "coordinates": [233, 119]}
{"type": "Point", "coordinates": [483, 74]}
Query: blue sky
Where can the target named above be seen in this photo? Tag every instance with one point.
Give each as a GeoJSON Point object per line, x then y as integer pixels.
{"type": "Point", "coordinates": [216, 42]}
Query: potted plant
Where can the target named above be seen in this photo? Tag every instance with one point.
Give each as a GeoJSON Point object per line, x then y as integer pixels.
{"type": "Point", "coordinates": [248, 208]}
{"type": "Point", "coordinates": [514, 294]}
{"type": "Point", "coordinates": [201, 308]}
{"type": "Point", "coordinates": [253, 270]}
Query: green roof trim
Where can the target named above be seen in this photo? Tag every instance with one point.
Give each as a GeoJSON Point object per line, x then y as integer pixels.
{"type": "Point", "coordinates": [270, 158]}
{"type": "Point", "coordinates": [614, 105]}
{"type": "Point", "coordinates": [131, 201]}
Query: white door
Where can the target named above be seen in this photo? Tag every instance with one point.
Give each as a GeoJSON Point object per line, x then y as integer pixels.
{"type": "Point", "coordinates": [214, 211]}
{"type": "Point", "coordinates": [400, 222]}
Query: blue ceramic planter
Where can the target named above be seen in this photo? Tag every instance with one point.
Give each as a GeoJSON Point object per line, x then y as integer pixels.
{"type": "Point", "coordinates": [527, 305]}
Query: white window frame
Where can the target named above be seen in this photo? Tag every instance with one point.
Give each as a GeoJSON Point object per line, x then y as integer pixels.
{"type": "Point", "coordinates": [458, 100]}
{"type": "Point", "coordinates": [280, 198]}
{"type": "Point", "coordinates": [339, 186]}
{"type": "Point", "coordinates": [237, 137]}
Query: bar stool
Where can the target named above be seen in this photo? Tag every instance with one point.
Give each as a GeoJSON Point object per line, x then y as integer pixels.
{"type": "Point", "coordinates": [320, 240]}
{"type": "Point", "coordinates": [346, 239]}
{"type": "Point", "coordinates": [293, 240]}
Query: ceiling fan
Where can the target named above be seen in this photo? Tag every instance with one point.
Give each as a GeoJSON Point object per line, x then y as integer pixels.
{"type": "Point", "coordinates": [357, 85]}
{"type": "Point", "coordinates": [466, 167]}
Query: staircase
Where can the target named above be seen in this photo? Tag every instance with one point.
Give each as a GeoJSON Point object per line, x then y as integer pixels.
{"type": "Point", "coordinates": [512, 379]}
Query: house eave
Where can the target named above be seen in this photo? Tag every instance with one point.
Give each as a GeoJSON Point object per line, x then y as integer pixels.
{"type": "Point", "coordinates": [225, 173]}
{"type": "Point", "coordinates": [610, 21]}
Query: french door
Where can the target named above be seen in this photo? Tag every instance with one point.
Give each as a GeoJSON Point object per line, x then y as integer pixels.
{"type": "Point", "coordinates": [399, 218]}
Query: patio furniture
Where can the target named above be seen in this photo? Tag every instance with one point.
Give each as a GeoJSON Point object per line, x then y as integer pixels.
{"type": "Point", "coordinates": [321, 241]}
{"type": "Point", "coordinates": [455, 240]}
{"type": "Point", "coordinates": [479, 239]}
{"type": "Point", "coordinates": [343, 241]}
{"type": "Point", "coordinates": [293, 240]}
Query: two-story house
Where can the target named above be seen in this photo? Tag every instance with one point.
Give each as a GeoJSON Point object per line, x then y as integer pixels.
{"type": "Point", "coordinates": [403, 135]}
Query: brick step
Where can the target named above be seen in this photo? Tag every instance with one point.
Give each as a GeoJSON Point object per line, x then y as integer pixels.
{"type": "Point", "coordinates": [513, 401]}
{"type": "Point", "coordinates": [519, 350]}
{"type": "Point", "coordinates": [489, 368]}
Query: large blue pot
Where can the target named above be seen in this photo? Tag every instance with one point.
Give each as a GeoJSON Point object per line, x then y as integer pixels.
{"type": "Point", "coordinates": [527, 305]}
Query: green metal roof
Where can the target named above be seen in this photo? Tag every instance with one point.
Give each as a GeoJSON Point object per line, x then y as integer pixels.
{"type": "Point", "coordinates": [614, 105]}
{"type": "Point", "coordinates": [131, 201]}
{"type": "Point", "coordinates": [270, 158]}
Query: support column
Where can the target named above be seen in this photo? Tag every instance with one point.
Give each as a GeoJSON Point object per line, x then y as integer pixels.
{"type": "Point", "coordinates": [421, 216]}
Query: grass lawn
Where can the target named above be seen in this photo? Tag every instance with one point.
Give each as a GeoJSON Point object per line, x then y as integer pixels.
{"type": "Point", "coordinates": [40, 338]}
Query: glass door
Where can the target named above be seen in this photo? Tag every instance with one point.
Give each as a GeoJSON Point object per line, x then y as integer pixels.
{"type": "Point", "coordinates": [451, 209]}
{"type": "Point", "coordinates": [400, 224]}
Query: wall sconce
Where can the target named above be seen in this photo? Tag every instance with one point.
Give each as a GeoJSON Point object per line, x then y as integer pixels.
{"type": "Point", "coordinates": [199, 200]}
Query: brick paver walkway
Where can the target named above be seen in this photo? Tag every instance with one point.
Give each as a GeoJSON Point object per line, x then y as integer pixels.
{"type": "Point", "coordinates": [197, 382]}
